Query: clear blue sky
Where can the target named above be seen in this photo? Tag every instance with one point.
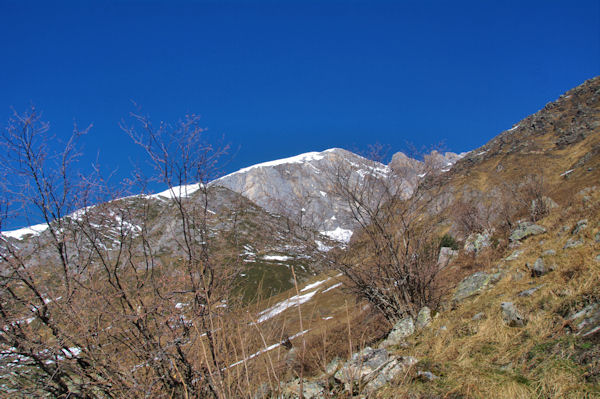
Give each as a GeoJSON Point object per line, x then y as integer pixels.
{"type": "Point", "coordinates": [278, 78]}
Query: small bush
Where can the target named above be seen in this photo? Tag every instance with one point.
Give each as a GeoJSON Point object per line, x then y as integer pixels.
{"type": "Point", "coordinates": [448, 241]}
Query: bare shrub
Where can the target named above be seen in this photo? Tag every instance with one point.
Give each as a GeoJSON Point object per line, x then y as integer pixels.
{"type": "Point", "coordinates": [393, 263]}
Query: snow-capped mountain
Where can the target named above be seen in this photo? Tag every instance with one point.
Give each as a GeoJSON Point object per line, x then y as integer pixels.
{"type": "Point", "coordinates": [301, 187]}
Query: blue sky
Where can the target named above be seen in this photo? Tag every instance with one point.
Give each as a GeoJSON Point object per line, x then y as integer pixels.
{"type": "Point", "coordinates": [278, 78]}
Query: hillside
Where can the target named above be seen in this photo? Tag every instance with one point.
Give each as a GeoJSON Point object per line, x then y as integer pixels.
{"type": "Point", "coordinates": [250, 286]}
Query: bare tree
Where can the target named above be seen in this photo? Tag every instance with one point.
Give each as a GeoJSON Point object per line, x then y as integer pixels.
{"type": "Point", "coordinates": [91, 307]}
{"type": "Point", "coordinates": [393, 262]}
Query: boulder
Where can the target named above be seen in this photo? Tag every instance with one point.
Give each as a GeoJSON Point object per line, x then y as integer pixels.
{"type": "Point", "coordinates": [476, 242]}
{"type": "Point", "coordinates": [597, 258]}
{"type": "Point", "coordinates": [514, 255]}
{"type": "Point", "coordinates": [524, 230]}
{"type": "Point", "coordinates": [530, 291]}
{"type": "Point", "coordinates": [472, 285]}
{"type": "Point", "coordinates": [446, 255]}
{"type": "Point", "coordinates": [426, 376]}
{"type": "Point", "coordinates": [549, 252]}
{"type": "Point", "coordinates": [362, 364]}
{"type": "Point", "coordinates": [511, 316]}
{"type": "Point", "coordinates": [423, 318]}
{"type": "Point", "coordinates": [402, 329]}
{"type": "Point", "coordinates": [387, 373]}
{"type": "Point", "coordinates": [597, 237]}
{"type": "Point", "coordinates": [539, 268]}
{"type": "Point", "coordinates": [333, 365]}
{"type": "Point", "coordinates": [573, 243]}
{"type": "Point", "coordinates": [310, 389]}
{"type": "Point", "coordinates": [579, 226]}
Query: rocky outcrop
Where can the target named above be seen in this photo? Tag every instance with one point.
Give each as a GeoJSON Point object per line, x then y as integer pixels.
{"type": "Point", "coordinates": [524, 230]}
{"type": "Point", "coordinates": [372, 368]}
{"type": "Point", "coordinates": [474, 284]}
{"type": "Point", "coordinates": [476, 242]}
{"type": "Point", "coordinates": [586, 322]}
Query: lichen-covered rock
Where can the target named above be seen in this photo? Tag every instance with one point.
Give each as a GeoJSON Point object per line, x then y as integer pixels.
{"type": "Point", "coordinates": [310, 389]}
{"type": "Point", "coordinates": [512, 316]}
{"type": "Point", "coordinates": [478, 241]}
{"type": "Point", "coordinates": [388, 372]}
{"type": "Point", "coordinates": [526, 229]}
{"type": "Point", "coordinates": [472, 285]}
{"type": "Point", "coordinates": [423, 318]}
{"type": "Point", "coordinates": [362, 364]}
{"type": "Point", "coordinates": [402, 329]}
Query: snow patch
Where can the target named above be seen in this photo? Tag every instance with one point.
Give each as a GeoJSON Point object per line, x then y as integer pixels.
{"type": "Point", "coordinates": [339, 234]}
{"type": "Point", "coordinates": [333, 287]}
{"type": "Point", "coordinates": [268, 348]}
{"type": "Point", "coordinates": [284, 305]}
{"type": "Point", "coordinates": [281, 258]}
{"type": "Point", "coordinates": [178, 191]}
{"type": "Point", "coordinates": [315, 284]}
{"type": "Point", "coordinates": [19, 234]}
{"type": "Point", "coordinates": [302, 158]}
{"type": "Point", "coordinates": [322, 247]}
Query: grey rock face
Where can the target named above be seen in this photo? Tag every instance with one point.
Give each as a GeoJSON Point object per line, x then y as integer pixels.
{"type": "Point", "coordinates": [301, 186]}
{"type": "Point", "coordinates": [472, 285]}
{"type": "Point", "coordinates": [512, 316]}
{"type": "Point", "coordinates": [526, 229]}
{"type": "Point", "coordinates": [402, 329]}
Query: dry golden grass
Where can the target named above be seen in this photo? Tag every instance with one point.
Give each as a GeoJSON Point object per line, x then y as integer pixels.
{"type": "Point", "coordinates": [486, 358]}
